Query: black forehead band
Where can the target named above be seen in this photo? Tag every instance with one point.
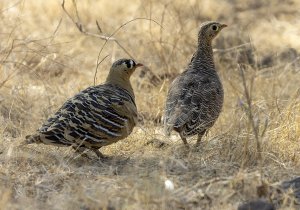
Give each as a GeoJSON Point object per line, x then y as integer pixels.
{"type": "Point", "coordinates": [126, 61]}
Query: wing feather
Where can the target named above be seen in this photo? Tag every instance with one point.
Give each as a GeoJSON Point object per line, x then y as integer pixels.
{"type": "Point", "coordinates": [192, 103]}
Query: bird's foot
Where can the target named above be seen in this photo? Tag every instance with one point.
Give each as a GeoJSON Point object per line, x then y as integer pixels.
{"type": "Point", "coordinates": [187, 146]}
{"type": "Point", "coordinates": [85, 156]}
{"type": "Point", "coordinates": [157, 143]}
{"type": "Point", "coordinates": [197, 145]}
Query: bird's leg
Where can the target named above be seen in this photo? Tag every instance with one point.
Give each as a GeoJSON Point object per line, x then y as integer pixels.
{"type": "Point", "coordinates": [98, 153]}
{"type": "Point", "coordinates": [80, 150]}
{"type": "Point", "coordinates": [200, 135]}
{"type": "Point", "coordinates": [184, 140]}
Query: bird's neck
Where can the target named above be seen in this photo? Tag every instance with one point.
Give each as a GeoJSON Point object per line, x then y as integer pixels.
{"type": "Point", "coordinates": [203, 58]}
{"type": "Point", "coordinates": [123, 82]}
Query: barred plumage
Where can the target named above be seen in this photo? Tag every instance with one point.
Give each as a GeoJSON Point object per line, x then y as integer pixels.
{"type": "Point", "coordinates": [95, 117]}
{"type": "Point", "coordinates": [195, 98]}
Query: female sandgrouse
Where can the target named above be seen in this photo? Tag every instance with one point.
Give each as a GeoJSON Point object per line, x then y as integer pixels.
{"type": "Point", "coordinates": [95, 117]}
{"type": "Point", "coordinates": [195, 98]}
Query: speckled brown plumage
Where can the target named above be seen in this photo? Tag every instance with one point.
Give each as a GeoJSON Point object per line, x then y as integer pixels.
{"type": "Point", "coordinates": [95, 117]}
{"type": "Point", "coordinates": [195, 98]}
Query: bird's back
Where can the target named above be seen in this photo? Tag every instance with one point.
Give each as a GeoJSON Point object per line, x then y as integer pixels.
{"type": "Point", "coordinates": [95, 117]}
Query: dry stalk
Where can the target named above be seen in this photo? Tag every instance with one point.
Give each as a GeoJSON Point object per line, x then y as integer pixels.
{"type": "Point", "coordinates": [254, 124]}
{"type": "Point", "coordinates": [111, 37]}
{"type": "Point", "coordinates": [248, 108]}
{"type": "Point", "coordinates": [235, 48]}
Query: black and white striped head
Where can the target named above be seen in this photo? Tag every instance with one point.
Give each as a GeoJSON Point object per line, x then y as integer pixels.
{"type": "Point", "coordinates": [209, 30]}
{"type": "Point", "coordinates": [125, 66]}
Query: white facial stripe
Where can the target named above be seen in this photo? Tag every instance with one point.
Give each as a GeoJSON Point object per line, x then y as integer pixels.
{"type": "Point", "coordinates": [131, 63]}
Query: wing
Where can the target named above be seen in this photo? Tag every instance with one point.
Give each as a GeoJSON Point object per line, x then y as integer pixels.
{"type": "Point", "coordinates": [191, 103]}
{"type": "Point", "coordinates": [98, 115]}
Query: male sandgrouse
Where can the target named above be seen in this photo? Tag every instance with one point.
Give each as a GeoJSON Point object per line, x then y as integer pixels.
{"type": "Point", "coordinates": [95, 117]}
{"type": "Point", "coordinates": [195, 98]}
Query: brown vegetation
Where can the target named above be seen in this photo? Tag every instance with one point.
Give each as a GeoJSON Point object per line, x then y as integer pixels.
{"type": "Point", "coordinates": [44, 60]}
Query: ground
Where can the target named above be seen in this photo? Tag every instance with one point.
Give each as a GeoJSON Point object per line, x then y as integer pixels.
{"type": "Point", "coordinates": [45, 59]}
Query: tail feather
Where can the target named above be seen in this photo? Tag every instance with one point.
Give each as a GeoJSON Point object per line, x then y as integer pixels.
{"type": "Point", "coordinates": [31, 139]}
{"type": "Point", "coordinates": [167, 130]}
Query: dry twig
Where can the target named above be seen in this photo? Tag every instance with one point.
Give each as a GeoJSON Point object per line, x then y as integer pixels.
{"type": "Point", "coordinates": [248, 107]}
{"type": "Point", "coordinates": [235, 48]}
{"type": "Point", "coordinates": [111, 37]}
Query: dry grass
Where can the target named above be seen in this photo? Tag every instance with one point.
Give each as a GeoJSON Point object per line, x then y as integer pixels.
{"type": "Point", "coordinates": [44, 60]}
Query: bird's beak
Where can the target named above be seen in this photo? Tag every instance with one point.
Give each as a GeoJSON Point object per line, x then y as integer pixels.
{"type": "Point", "coordinates": [223, 25]}
{"type": "Point", "coordinates": [139, 64]}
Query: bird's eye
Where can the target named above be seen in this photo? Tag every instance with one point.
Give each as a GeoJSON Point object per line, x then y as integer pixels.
{"type": "Point", "coordinates": [130, 64]}
{"type": "Point", "coordinates": [214, 27]}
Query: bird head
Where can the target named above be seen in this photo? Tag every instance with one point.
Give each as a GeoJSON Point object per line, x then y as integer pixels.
{"type": "Point", "coordinates": [209, 30]}
{"type": "Point", "coordinates": [124, 68]}
{"type": "Point", "coordinates": [121, 71]}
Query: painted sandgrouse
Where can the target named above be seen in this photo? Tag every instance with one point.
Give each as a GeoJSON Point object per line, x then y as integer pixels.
{"type": "Point", "coordinates": [95, 117]}
{"type": "Point", "coordinates": [195, 98]}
